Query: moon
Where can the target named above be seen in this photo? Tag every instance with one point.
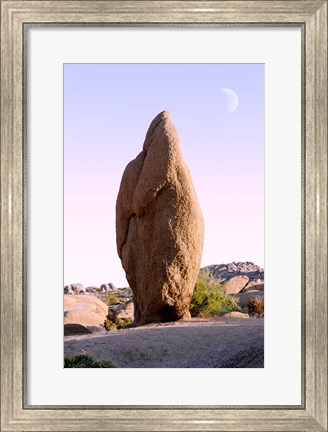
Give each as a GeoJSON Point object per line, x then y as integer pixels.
{"type": "Point", "coordinates": [230, 98]}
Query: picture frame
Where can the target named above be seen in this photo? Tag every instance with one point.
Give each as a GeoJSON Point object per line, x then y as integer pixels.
{"type": "Point", "coordinates": [311, 17]}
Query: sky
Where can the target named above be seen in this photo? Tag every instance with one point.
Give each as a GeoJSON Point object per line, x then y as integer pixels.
{"type": "Point", "coordinates": [218, 111]}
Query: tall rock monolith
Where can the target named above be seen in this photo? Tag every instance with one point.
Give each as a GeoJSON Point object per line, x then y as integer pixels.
{"type": "Point", "coordinates": [159, 227]}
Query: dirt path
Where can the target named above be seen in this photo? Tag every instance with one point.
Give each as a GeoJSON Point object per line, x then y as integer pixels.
{"type": "Point", "coordinates": [194, 343]}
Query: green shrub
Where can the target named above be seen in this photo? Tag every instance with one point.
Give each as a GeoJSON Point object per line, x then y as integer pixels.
{"type": "Point", "coordinates": [117, 323]}
{"type": "Point", "coordinates": [109, 325]}
{"type": "Point", "coordinates": [121, 323]}
{"type": "Point", "coordinates": [109, 299]}
{"type": "Point", "coordinates": [209, 297]}
{"type": "Point", "coordinates": [86, 361]}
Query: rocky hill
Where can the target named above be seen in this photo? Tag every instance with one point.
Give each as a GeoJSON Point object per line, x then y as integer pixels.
{"type": "Point", "coordinates": [225, 272]}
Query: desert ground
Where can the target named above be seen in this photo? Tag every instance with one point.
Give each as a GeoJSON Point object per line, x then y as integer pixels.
{"type": "Point", "coordinates": [188, 343]}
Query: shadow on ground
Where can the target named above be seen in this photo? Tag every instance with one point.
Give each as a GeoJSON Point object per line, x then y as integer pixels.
{"type": "Point", "coordinates": [211, 343]}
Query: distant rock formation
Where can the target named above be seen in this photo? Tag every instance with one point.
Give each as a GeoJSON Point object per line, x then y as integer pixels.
{"type": "Point", "coordinates": [225, 272]}
{"type": "Point", "coordinates": [109, 287]}
{"type": "Point", "coordinates": [91, 290]}
{"type": "Point", "coordinates": [159, 227]}
{"type": "Point", "coordinates": [76, 288]}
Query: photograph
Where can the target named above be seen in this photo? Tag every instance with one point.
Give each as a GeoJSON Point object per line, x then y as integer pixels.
{"type": "Point", "coordinates": [164, 215]}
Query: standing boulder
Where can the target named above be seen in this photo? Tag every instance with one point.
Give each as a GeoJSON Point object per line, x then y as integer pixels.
{"type": "Point", "coordinates": [159, 227]}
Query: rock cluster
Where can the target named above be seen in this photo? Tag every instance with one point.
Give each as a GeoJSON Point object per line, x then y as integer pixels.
{"type": "Point", "coordinates": [109, 287]}
{"type": "Point", "coordinates": [76, 288]}
{"type": "Point", "coordinates": [159, 227]}
{"type": "Point", "coordinates": [243, 280]}
{"type": "Point", "coordinates": [225, 272]}
{"type": "Point", "coordinates": [91, 290]}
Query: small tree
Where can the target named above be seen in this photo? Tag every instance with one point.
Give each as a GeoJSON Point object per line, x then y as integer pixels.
{"type": "Point", "coordinates": [209, 297]}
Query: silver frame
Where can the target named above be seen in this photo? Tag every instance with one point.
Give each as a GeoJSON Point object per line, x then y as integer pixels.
{"type": "Point", "coordinates": [311, 17]}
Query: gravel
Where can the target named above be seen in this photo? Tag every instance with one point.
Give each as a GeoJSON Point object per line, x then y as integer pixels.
{"type": "Point", "coordinates": [188, 343]}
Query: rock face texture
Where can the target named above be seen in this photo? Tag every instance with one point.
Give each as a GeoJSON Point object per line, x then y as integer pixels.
{"type": "Point", "coordinates": [236, 284]}
{"type": "Point", "coordinates": [83, 311]}
{"type": "Point", "coordinates": [159, 227]}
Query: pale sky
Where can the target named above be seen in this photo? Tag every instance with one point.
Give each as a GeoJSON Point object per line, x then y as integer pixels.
{"type": "Point", "coordinates": [218, 110]}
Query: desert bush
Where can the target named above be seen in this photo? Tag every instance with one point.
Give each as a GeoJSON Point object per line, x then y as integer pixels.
{"type": "Point", "coordinates": [109, 325]}
{"type": "Point", "coordinates": [86, 361]}
{"type": "Point", "coordinates": [121, 323]}
{"type": "Point", "coordinates": [256, 307]}
{"type": "Point", "coordinates": [109, 299]}
{"type": "Point", "coordinates": [209, 297]}
{"type": "Point", "coordinates": [117, 323]}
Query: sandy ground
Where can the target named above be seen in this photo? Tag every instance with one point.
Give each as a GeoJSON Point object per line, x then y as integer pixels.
{"type": "Point", "coordinates": [192, 343]}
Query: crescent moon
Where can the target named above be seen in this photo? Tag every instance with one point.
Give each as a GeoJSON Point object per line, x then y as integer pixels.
{"type": "Point", "coordinates": [231, 99]}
